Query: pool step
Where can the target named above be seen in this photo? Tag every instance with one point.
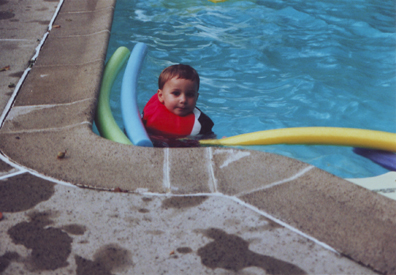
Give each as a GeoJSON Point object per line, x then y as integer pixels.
{"type": "Point", "coordinates": [383, 184]}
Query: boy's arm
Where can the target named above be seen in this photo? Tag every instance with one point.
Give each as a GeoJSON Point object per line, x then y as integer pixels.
{"type": "Point", "coordinates": [206, 124]}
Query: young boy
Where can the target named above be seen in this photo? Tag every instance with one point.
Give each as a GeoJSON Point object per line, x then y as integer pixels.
{"type": "Point", "coordinates": [172, 113]}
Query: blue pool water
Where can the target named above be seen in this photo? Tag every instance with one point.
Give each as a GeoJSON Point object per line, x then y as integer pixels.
{"type": "Point", "coordinates": [270, 64]}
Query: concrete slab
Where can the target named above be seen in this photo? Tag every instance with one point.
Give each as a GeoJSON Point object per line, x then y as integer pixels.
{"type": "Point", "coordinates": [107, 232]}
{"type": "Point", "coordinates": [83, 22]}
{"type": "Point", "coordinates": [250, 169]}
{"type": "Point", "coordinates": [22, 26]}
{"type": "Point", "coordinates": [347, 219]}
{"type": "Point", "coordinates": [6, 169]}
{"type": "Point", "coordinates": [60, 84]}
{"type": "Point", "coordinates": [73, 50]}
{"type": "Point", "coordinates": [25, 20]}
{"type": "Point", "coordinates": [189, 170]}
{"type": "Point", "coordinates": [43, 117]}
{"type": "Point", "coordinates": [106, 167]}
{"type": "Point", "coordinates": [76, 6]}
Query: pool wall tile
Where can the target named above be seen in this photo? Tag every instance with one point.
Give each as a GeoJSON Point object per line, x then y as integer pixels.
{"type": "Point", "coordinates": [237, 171]}
{"type": "Point", "coordinates": [73, 50]}
{"type": "Point", "coordinates": [189, 171]}
{"type": "Point", "coordinates": [89, 5]}
{"type": "Point", "coordinates": [60, 84]}
{"type": "Point", "coordinates": [354, 221]}
{"type": "Point", "coordinates": [82, 23]}
{"type": "Point", "coordinates": [90, 161]}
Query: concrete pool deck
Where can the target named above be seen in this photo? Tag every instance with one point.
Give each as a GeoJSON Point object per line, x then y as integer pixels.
{"type": "Point", "coordinates": [151, 210]}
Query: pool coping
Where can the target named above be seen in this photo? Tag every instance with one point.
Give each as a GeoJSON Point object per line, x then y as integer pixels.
{"type": "Point", "coordinates": [54, 111]}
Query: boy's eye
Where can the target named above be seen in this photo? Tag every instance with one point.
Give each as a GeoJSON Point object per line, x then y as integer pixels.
{"type": "Point", "coordinates": [176, 93]}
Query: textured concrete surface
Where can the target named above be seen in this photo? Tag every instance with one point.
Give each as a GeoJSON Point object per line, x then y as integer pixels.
{"type": "Point", "coordinates": [22, 26]}
{"type": "Point", "coordinates": [196, 210]}
{"type": "Point", "coordinates": [123, 233]}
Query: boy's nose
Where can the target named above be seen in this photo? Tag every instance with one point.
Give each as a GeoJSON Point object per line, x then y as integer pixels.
{"type": "Point", "coordinates": [182, 98]}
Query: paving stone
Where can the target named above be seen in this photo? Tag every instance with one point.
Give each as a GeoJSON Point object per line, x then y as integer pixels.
{"type": "Point", "coordinates": [74, 50]}
{"type": "Point", "coordinates": [60, 84]}
{"type": "Point", "coordinates": [90, 160]}
{"type": "Point", "coordinates": [83, 23]}
{"type": "Point", "coordinates": [237, 171]}
{"type": "Point", "coordinates": [354, 221]}
{"type": "Point", "coordinates": [5, 168]}
{"type": "Point", "coordinates": [88, 5]}
{"type": "Point", "coordinates": [29, 118]}
{"type": "Point", "coordinates": [190, 171]}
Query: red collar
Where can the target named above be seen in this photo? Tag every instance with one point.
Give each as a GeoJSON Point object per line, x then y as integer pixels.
{"type": "Point", "coordinates": [160, 121]}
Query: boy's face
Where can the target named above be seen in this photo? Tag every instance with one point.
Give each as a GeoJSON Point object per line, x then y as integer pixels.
{"type": "Point", "coordinates": [179, 96]}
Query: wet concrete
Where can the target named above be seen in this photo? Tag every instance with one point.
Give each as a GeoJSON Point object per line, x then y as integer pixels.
{"type": "Point", "coordinates": [23, 192]}
{"type": "Point", "coordinates": [82, 231]}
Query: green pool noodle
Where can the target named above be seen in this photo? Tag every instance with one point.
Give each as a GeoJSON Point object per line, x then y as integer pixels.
{"type": "Point", "coordinates": [105, 122]}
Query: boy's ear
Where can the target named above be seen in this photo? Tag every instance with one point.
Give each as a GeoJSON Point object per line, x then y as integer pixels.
{"type": "Point", "coordinates": [160, 96]}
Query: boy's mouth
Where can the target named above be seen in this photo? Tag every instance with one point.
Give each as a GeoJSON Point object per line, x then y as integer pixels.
{"type": "Point", "coordinates": [182, 110]}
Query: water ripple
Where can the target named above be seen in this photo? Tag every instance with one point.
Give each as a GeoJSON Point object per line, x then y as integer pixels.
{"type": "Point", "coordinates": [268, 64]}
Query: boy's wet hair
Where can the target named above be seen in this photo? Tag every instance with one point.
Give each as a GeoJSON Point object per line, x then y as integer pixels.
{"type": "Point", "coordinates": [180, 71]}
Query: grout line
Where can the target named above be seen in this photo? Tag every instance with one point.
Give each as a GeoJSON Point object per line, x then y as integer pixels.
{"type": "Point", "coordinates": [44, 106]}
{"type": "Point", "coordinates": [166, 169]}
{"type": "Point", "coordinates": [38, 48]}
{"type": "Point", "coordinates": [297, 175]}
{"type": "Point", "coordinates": [13, 96]}
{"type": "Point", "coordinates": [291, 228]}
{"type": "Point", "coordinates": [73, 65]}
{"type": "Point", "coordinates": [55, 14]}
{"type": "Point", "coordinates": [82, 35]}
{"type": "Point", "coordinates": [234, 155]}
{"type": "Point", "coordinates": [48, 129]}
{"type": "Point", "coordinates": [13, 174]}
{"type": "Point", "coordinates": [32, 172]}
{"type": "Point", "coordinates": [213, 186]}
{"type": "Point", "coordinates": [16, 40]}
{"type": "Point", "coordinates": [88, 11]}
{"type": "Point", "coordinates": [7, 160]}
{"type": "Point", "coordinates": [146, 193]}
{"type": "Point", "coordinates": [251, 207]}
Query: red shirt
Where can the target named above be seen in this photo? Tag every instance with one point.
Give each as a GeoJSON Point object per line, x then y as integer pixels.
{"type": "Point", "coordinates": [160, 121]}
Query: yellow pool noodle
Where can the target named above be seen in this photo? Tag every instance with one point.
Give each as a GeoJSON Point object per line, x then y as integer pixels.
{"type": "Point", "coordinates": [313, 135]}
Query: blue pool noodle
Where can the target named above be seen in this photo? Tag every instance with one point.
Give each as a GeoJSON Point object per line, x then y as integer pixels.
{"type": "Point", "coordinates": [131, 117]}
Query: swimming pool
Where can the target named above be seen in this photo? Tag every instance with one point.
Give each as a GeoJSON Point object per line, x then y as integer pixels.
{"type": "Point", "coordinates": [274, 64]}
